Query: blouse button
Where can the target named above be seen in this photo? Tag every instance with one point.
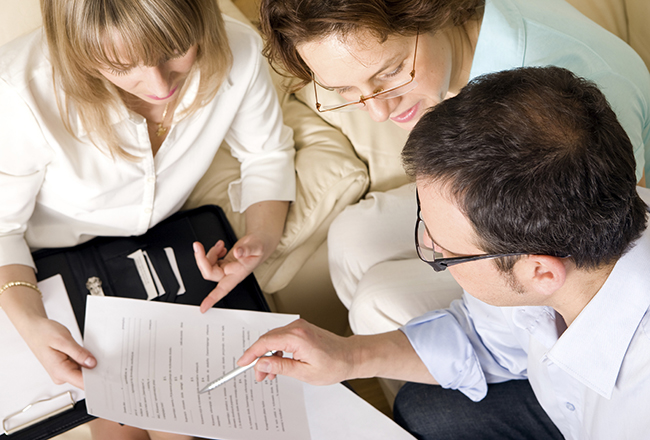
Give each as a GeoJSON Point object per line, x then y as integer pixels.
{"type": "Point", "coordinates": [570, 406]}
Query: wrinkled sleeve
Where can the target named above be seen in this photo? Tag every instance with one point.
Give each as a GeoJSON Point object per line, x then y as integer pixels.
{"type": "Point", "coordinates": [263, 144]}
{"type": "Point", "coordinates": [462, 357]}
{"type": "Point", "coordinates": [23, 157]}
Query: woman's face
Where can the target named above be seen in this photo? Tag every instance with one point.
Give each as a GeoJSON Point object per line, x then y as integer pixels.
{"type": "Point", "coordinates": [154, 84]}
{"type": "Point", "coordinates": [360, 65]}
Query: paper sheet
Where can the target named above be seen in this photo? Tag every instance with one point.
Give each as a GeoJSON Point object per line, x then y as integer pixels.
{"type": "Point", "coordinates": [153, 358]}
{"type": "Point", "coordinates": [336, 413]}
{"type": "Point", "coordinates": [23, 379]}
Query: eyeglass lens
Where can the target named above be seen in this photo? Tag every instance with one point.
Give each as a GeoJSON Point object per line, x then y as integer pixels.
{"type": "Point", "coordinates": [424, 244]}
{"type": "Point", "coordinates": [350, 103]}
{"type": "Point", "coordinates": [345, 105]}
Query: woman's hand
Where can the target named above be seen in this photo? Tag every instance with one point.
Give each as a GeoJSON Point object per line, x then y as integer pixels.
{"type": "Point", "coordinates": [51, 342]}
{"type": "Point", "coordinates": [228, 268]}
{"type": "Point", "coordinates": [58, 352]}
{"type": "Point", "coordinates": [264, 227]}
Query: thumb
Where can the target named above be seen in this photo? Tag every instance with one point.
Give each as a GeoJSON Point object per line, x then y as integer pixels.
{"type": "Point", "coordinates": [276, 365]}
{"type": "Point", "coordinates": [241, 251]}
{"type": "Point", "coordinates": [248, 246]}
{"type": "Point", "coordinates": [77, 353]}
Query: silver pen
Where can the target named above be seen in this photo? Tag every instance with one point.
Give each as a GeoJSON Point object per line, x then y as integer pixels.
{"type": "Point", "coordinates": [234, 373]}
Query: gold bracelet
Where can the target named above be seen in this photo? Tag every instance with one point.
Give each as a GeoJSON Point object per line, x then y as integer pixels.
{"type": "Point", "coordinates": [11, 284]}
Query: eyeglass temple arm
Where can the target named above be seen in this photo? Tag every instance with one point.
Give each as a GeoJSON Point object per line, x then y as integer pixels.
{"type": "Point", "coordinates": [458, 260]}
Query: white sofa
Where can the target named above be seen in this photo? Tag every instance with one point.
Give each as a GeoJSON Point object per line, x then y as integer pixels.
{"type": "Point", "coordinates": [337, 163]}
{"type": "Point", "coordinates": [331, 172]}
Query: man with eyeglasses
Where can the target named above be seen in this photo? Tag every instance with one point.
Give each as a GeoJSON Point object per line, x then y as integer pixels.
{"type": "Point", "coordinates": [527, 194]}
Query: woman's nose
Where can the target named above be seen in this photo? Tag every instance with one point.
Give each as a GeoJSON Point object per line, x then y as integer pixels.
{"type": "Point", "coordinates": [159, 83]}
{"type": "Point", "coordinates": [380, 109]}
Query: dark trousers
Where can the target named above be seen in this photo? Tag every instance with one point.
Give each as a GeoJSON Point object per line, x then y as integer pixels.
{"type": "Point", "coordinates": [509, 411]}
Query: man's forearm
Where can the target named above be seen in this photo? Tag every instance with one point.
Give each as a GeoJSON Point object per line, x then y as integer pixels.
{"type": "Point", "coordinates": [389, 355]}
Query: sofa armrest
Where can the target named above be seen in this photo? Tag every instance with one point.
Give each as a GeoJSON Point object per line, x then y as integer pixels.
{"type": "Point", "coordinates": [329, 176]}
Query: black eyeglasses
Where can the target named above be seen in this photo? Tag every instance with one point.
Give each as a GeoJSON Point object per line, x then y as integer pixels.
{"type": "Point", "coordinates": [435, 259]}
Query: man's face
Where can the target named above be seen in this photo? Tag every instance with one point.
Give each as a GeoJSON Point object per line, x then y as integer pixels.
{"type": "Point", "coordinates": [452, 234]}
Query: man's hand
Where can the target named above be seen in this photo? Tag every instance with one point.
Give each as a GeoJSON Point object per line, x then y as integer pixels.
{"type": "Point", "coordinates": [58, 352]}
{"type": "Point", "coordinates": [323, 358]}
{"type": "Point", "coordinates": [228, 268]}
{"type": "Point", "coordinates": [319, 357]}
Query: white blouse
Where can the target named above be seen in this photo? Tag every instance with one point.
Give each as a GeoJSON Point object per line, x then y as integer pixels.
{"type": "Point", "coordinates": [57, 191]}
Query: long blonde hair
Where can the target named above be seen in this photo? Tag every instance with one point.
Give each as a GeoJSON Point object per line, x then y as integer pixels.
{"type": "Point", "coordinates": [82, 36]}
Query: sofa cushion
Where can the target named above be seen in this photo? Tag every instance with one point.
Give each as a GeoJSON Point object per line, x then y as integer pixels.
{"type": "Point", "coordinates": [378, 145]}
{"type": "Point", "coordinates": [18, 17]}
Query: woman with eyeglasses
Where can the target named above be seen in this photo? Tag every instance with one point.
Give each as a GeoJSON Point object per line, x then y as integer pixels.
{"type": "Point", "coordinates": [110, 115]}
{"type": "Point", "coordinates": [394, 60]}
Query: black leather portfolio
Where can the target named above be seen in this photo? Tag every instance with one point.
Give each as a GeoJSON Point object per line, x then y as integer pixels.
{"type": "Point", "coordinates": [158, 266]}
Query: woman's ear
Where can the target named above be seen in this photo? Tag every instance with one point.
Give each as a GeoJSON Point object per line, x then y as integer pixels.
{"type": "Point", "coordinates": [542, 274]}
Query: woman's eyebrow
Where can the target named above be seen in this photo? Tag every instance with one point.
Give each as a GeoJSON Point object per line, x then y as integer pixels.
{"type": "Point", "coordinates": [379, 71]}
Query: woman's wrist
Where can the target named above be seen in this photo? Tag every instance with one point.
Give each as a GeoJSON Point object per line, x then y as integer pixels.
{"type": "Point", "coordinates": [22, 305]}
{"type": "Point", "coordinates": [11, 284]}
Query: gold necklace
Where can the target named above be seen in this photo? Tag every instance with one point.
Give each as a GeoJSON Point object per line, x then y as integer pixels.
{"type": "Point", "coordinates": [161, 128]}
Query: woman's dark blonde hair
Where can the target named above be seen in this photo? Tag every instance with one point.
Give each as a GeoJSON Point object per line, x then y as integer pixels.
{"type": "Point", "coordinates": [83, 37]}
{"type": "Point", "coordinates": [289, 23]}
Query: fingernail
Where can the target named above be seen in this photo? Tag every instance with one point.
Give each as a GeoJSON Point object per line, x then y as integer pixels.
{"type": "Point", "coordinates": [264, 366]}
{"type": "Point", "coordinates": [195, 246]}
{"type": "Point", "coordinates": [90, 362]}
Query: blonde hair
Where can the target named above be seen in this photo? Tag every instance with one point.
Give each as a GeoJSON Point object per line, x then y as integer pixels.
{"type": "Point", "coordinates": [83, 37]}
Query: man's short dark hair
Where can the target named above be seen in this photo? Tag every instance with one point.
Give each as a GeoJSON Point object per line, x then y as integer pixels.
{"type": "Point", "coordinates": [537, 161]}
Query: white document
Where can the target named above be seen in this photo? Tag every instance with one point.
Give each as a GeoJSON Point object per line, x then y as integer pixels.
{"type": "Point", "coordinates": [23, 380]}
{"type": "Point", "coordinates": [336, 413]}
{"type": "Point", "coordinates": [153, 358]}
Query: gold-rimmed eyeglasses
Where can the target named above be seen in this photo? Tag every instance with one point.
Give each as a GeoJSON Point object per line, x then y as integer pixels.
{"type": "Point", "coordinates": [393, 92]}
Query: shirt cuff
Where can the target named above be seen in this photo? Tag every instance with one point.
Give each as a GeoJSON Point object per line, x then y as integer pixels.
{"type": "Point", "coordinates": [445, 349]}
{"type": "Point", "coordinates": [262, 182]}
{"type": "Point", "coordinates": [14, 250]}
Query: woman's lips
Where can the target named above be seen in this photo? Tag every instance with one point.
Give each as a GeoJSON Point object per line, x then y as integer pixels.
{"type": "Point", "coordinates": [166, 97]}
{"type": "Point", "coordinates": [407, 116]}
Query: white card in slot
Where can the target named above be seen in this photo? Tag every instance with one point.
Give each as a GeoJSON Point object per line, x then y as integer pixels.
{"type": "Point", "coordinates": [171, 256]}
{"type": "Point", "coordinates": [156, 279]}
{"type": "Point", "coordinates": [142, 265]}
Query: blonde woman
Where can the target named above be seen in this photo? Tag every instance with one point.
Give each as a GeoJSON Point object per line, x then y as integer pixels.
{"type": "Point", "coordinates": [110, 115]}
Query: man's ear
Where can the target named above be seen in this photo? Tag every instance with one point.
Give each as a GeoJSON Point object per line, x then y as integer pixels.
{"type": "Point", "coordinates": [542, 274]}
